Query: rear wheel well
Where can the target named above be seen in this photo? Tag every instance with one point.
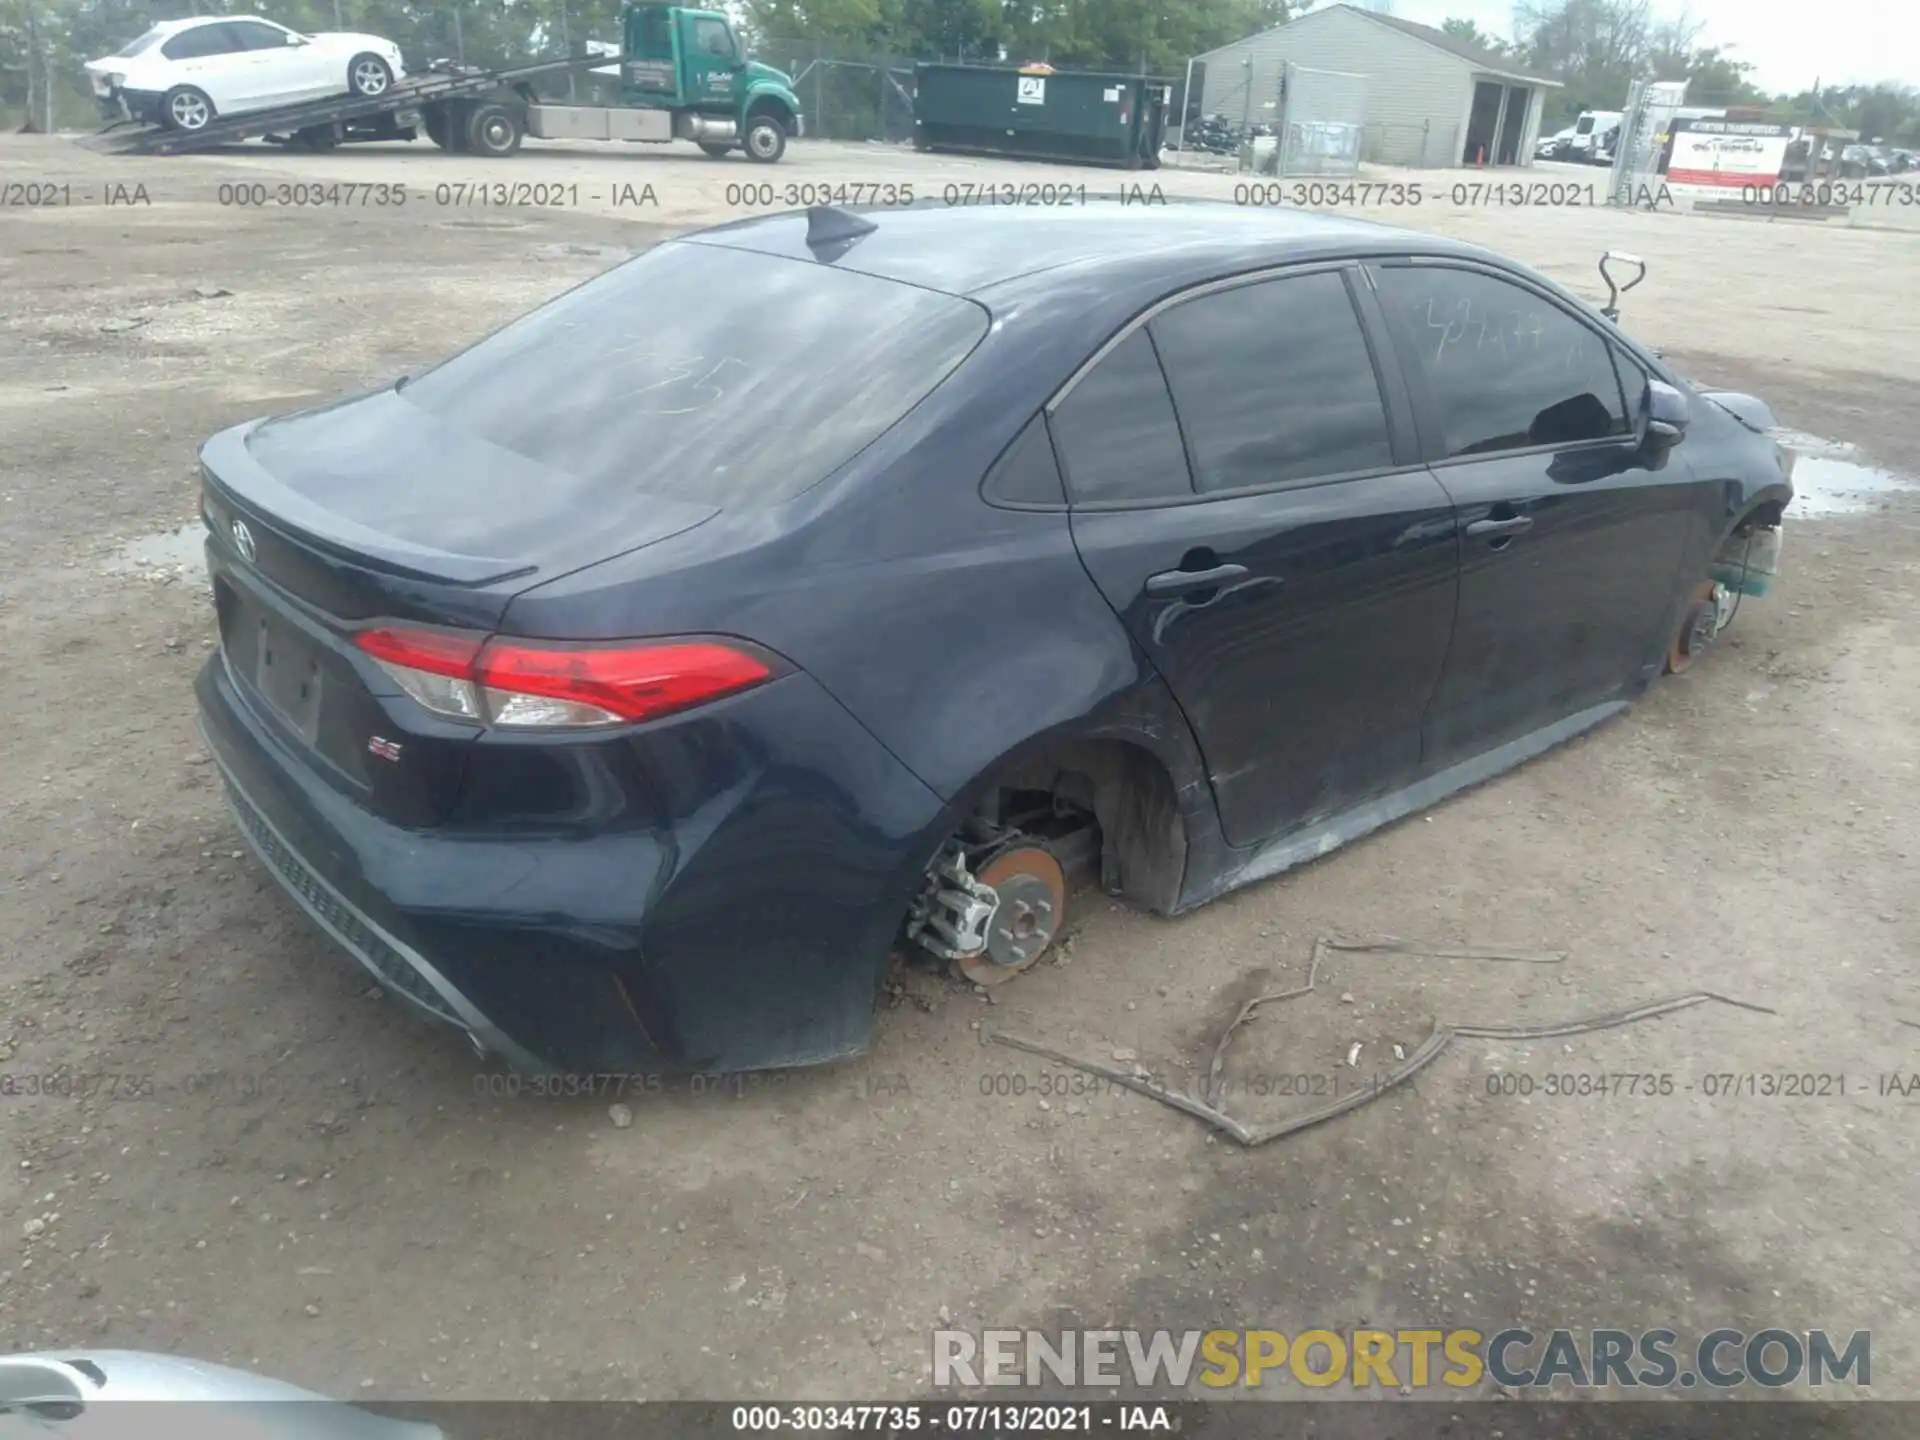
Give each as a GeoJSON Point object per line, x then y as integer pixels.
{"type": "Point", "coordinates": [1121, 789]}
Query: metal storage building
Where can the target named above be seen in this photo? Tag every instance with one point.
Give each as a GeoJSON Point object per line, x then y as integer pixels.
{"type": "Point", "coordinates": [1429, 99]}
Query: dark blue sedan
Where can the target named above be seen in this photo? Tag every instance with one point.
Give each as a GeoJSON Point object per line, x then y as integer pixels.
{"type": "Point", "coordinates": [627, 688]}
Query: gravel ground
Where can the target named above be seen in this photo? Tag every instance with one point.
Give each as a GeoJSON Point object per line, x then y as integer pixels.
{"type": "Point", "coordinates": [275, 1168]}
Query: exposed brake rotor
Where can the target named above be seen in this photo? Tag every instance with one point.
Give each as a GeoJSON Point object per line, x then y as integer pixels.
{"type": "Point", "coordinates": [1697, 628]}
{"type": "Point", "coordinates": [1029, 913]}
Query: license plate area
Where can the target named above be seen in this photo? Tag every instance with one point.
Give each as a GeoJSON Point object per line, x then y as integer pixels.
{"type": "Point", "coordinates": [287, 676]}
{"type": "Point", "coordinates": [300, 683]}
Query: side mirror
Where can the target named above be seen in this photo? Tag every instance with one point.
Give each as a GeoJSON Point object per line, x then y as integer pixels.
{"type": "Point", "coordinates": [1668, 412]}
{"type": "Point", "coordinates": [45, 1389]}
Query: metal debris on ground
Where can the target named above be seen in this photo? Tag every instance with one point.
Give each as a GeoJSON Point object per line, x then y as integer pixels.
{"type": "Point", "coordinates": [1422, 1056]}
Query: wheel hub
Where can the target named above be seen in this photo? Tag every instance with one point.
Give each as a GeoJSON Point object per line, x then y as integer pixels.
{"type": "Point", "coordinates": [1028, 915]}
{"type": "Point", "coordinates": [1698, 628]}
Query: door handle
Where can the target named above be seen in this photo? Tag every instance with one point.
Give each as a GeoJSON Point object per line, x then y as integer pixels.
{"type": "Point", "coordinates": [1512, 525]}
{"type": "Point", "coordinates": [1169, 583]}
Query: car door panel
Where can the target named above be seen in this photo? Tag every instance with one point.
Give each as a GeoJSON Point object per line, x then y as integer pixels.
{"type": "Point", "coordinates": [1300, 620]}
{"type": "Point", "coordinates": [1305, 678]}
{"type": "Point", "coordinates": [1560, 615]}
{"type": "Point", "coordinates": [712, 62]}
{"type": "Point", "coordinates": [1572, 531]}
{"type": "Point", "coordinates": [278, 71]}
{"type": "Point", "coordinates": [255, 73]}
{"type": "Point", "coordinates": [316, 70]}
{"type": "Point", "coordinates": [210, 58]}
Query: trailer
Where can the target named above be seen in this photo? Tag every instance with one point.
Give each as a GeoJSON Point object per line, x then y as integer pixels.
{"type": "Point", "coordinates": [681, 77]}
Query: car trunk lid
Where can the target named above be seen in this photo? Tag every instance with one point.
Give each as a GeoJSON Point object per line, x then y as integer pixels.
{"type": "Point", "coordinates": [327, 521]}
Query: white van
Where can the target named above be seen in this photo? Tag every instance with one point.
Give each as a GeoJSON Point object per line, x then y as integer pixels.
{"type": "Point", "coordinates": [1591, 135]}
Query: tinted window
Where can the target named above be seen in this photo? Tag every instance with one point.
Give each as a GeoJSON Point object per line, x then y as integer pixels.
{"type": "Point", "coordinates": [1027, 474]}
{"type": "Point", "coordinates": [1633, 385]}
{"type": "Point", "coordinates": [255, 36]}
{"type": "Point", "coordinates": [1273, 383]}
{"type": "Point", "coordinates": [1116, 433]}
{"type": "Point", "coordinates": [705, 373]}
{"type": "Point", "coordinates": [711, 37]}
{"type": "Point", "coordinates": [199, 41]}
{"type": "Point", "coordinates": [1506, 368]}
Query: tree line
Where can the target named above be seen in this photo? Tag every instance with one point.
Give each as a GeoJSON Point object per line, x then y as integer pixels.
{"type": "Point", "coordinates": [1596, 48]}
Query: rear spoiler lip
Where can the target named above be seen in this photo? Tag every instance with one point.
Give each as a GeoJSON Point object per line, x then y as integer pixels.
{"type": "Point", "coordinates": [227, 466]}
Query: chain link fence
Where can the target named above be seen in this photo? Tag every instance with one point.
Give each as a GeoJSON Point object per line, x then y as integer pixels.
{"type": "Point", "coordinates": [846, 95]}
{"type": "Point", "coordinates": [1324, 122]}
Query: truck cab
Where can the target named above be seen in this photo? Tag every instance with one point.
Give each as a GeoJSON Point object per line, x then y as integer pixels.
{"type": "Point", "coordinates": [689, 64]}
{"type": "Point", "coordinates": [681, 75]}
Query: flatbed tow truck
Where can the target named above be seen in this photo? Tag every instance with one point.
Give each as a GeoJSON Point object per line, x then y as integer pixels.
{"type": "Point", "coordinates": [681, 77]}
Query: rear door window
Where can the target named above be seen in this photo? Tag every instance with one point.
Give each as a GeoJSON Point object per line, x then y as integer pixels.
{"type": "Point", "coordinates": [1505, 367]}
{"type": "Point", "coordinates": [1273, 384]}
{"type": "Point", "coordinates": [1028, 473]}
{"type": "Point", "coordinates": [705, 373]}
{"type": "Point", "coordinates": [201, 41]}
{"type": "Point", "coordinates": [1116, 432]}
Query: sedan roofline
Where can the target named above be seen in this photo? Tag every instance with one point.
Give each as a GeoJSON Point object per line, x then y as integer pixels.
{"type": "Point", "coordinates": [1100, 231]}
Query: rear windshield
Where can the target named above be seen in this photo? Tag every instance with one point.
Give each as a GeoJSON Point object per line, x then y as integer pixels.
{"type": "Point", "coordinates": [706, 374]}
{"type": "Point", "coordinates": [144, 42]}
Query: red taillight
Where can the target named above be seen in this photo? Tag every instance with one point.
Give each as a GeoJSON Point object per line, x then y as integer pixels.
{"type": "Point", "coordinates": [438, 652]}
{"type": "Point", "coordinates": [628, 682]}
{"type": "Point", "coordinates": [537, 684]}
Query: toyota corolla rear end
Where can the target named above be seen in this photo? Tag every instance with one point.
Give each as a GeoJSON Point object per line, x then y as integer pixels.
{"type": "Point", "coordinates": [639, 840]}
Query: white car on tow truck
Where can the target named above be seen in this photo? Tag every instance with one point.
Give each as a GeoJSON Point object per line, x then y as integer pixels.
{"type": "Point", "coordinates": [186, 73]}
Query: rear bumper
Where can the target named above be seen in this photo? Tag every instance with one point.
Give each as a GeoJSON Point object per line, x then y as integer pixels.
{"type": "Point", "coordinates": [141, 105]}
{"type": "Point", "coordinates": [749, 932]}
{"type": "Point", "coordinates": [401, 969]}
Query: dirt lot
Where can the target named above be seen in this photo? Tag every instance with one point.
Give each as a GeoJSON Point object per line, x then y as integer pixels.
{"type": "Point", "coordinates": [276, 1169]}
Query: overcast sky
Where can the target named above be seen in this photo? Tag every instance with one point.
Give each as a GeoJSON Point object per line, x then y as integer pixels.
{"type": "Point", "coordinates": [1790, 43]}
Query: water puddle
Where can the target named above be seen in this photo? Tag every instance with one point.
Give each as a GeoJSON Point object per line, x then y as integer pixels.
{"type": "Point", "coordinates": [174, 556]}
{"type": "Point", "coordinates": [1829, 478]}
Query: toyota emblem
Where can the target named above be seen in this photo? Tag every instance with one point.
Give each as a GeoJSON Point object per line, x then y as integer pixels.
{"type": "Point", "coordinates": [243, 540]}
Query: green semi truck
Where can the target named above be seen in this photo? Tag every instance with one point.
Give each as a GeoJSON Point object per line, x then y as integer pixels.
{"type": "Point", "coordinates": [682, 76]}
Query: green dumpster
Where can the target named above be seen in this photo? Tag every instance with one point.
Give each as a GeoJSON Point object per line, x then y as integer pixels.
{"type": "Point", "coordinates": [1036, 113]}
